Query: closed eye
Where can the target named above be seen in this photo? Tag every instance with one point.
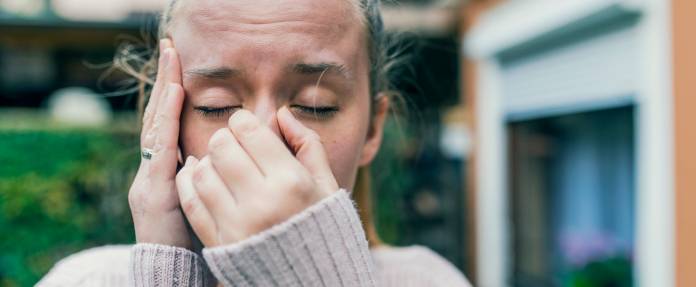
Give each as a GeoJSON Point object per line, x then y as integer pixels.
{"type": "Point", "coordinates": [315, 112]}
{"type": "Point", "coordinates": [216, 112]}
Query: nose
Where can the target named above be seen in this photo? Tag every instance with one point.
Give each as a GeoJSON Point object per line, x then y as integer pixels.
{"type": "Point", "coordinates": [265, 109]}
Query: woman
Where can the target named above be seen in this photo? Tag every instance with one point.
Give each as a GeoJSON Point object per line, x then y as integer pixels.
{"type": "Point", "coordinates": [275, 105]}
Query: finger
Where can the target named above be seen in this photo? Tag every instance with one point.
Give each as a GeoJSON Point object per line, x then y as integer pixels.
{"type": "Point", "coordinates": [169, 71]}
{"type": "Point", "coordinates": [197, 215]}
{"type": "Point", "coordinates": [179, 156]}
{"type": "Point", "coordinates": [172, 73]}
{"type": "Point", "coordinates": [166, 50]}
{"type": "Point", "coordinates": [166, 133]}
{"type": "Point", "coordinates": [155, 94]}
{"type": "Point", "coordinates": [217, 199]}
{"type": "Point", "coordinates": [237, 169]}
{"type": "Point", "coordinates": [308, 149]}
{"type": "Point", "coordinates": [264, 147]}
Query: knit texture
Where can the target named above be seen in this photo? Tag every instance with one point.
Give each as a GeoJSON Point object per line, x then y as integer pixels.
{"type": "Point", "coordinates": [324, 245]}
{"type": "Point", "coordinates": [415, 266]}
{"type": "Point", "coordinates": [101, 266]}
{"type": "Point", "coordinates": [160, 265]}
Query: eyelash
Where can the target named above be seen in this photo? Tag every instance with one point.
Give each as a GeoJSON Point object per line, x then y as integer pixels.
{"type": "Point", "coordinates": [213, 112]}
{"type": "Point", "coordinates": [316, 112]}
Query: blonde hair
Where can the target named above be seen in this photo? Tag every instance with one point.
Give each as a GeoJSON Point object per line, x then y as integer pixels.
{"type": "Point", "coordinates": [142, 66]}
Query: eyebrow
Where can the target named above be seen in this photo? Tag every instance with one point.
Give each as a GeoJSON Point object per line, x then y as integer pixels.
{"type": "Point", "coordinates": [223, 73]}
{"type": "Point", "coordinates": [321, 68]}
{"type": "Point", "coordinates": [220, 73]}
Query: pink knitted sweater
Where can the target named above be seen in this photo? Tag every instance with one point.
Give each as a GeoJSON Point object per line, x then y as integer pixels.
{"type": "Point", "coordinates": [324, 245]}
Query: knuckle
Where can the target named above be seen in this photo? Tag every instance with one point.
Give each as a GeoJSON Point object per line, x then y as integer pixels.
{"type": "Point", "coordinates": [205, 163]}
{"type": "Point", "coordinates": [312, 139]}
{"type": "Point", "coordinates": [219, 139]}
{"type": "Point", "coordinates": [166, 142]}
{"type": "Point", "coordinates": [207, 194]}
{"type": "Point", "coordinates": [189, 206]}
{"type": "Point", "coordinates": [148, 138]}
{"type": "Point", "coordinates": [198, 173]}
{"type": "Point", "coordinates": [312, 136]}
{"type": "Point", "coordinates": [265, 214]}
{"type": "Point", "coordinates": [134, 197]}
{"type": "Point", "coordinates": [297, 182]}
{"type": "Point", "coordinates": [305, 194]}
{"type": "Point", "coordinates": [288, 180]}
{"type": "Point", "coordinates": [160, 119]}
{"type": "Point", "coordinates": [244, 124]}
{"type": "Point", "coordinates": [137, 197]}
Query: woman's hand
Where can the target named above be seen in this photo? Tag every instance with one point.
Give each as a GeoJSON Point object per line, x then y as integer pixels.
{"type": "Point", "coordinates": [153, 198]}
{"type": "Point", "coordinates": [250, 181]}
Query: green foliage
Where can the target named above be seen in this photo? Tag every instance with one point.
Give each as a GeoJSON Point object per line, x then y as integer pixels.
{"type": "Point", "coordinates": [64, 189]}
{"type": "Point", "coordinates": [614, 271]}
{"type": "Point", "coordinates": [61, 190]}
{"type": "Point", "coordinates": [391, 179]}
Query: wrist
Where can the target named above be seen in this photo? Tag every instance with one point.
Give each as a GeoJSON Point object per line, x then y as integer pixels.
{"type": "Point", "coordinates": [166, 229]}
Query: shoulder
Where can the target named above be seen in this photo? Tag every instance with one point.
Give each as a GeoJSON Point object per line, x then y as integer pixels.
{"type": "Point", "coordinates": [100, 266]}
{"type": "Point", "coordinates": [417, 265]}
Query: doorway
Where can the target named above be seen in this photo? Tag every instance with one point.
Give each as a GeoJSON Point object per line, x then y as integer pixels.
{"type": "Point", "coordinates": [572, 194]}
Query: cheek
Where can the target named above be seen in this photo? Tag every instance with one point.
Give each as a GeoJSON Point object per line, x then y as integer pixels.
{"type": "Point", "coordinates": [344, 164]}
{"type": "Point", "coordinates": [344, 143]}
{"type": "Point", "coordinates": [344, 139]}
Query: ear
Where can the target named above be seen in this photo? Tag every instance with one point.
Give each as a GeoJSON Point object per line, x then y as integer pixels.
{"type": "Point", "coordinates": [376, 130]}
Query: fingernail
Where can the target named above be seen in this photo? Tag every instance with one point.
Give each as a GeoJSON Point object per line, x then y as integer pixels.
{"type": "Point", "coordinates": [189, 159]}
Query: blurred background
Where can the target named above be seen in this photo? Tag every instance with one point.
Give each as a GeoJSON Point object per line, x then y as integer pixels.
{"type": "Point", "coordinates": [546, 143]}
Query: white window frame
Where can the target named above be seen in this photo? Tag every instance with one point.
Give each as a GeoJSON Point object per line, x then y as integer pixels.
{"type": "Point", "coordinates": [515, 23]}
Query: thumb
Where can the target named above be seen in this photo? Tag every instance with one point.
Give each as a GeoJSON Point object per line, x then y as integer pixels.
{"type": "Point", "coordinates": [306, 145]}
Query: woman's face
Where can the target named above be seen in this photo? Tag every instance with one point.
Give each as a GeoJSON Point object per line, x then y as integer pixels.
{"type": "Point", "coordinates": [260, 55]}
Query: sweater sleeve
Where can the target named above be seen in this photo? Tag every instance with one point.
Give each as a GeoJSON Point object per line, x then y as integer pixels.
{"type": "Point", "coordinates": [161, 265]}
{"type": "Point", "coordinates": [324, 245]}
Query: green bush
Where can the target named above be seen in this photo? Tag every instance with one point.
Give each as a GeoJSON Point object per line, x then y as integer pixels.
{"type": "Point", "coordinates": [391, 179]}
{"type": "Point", "coordinates": [613, 271]}
{"type": "Point", "coordinates": [61, 191]}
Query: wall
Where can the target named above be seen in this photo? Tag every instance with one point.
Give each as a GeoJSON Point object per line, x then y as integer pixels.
{"type": "Point", "coordinates": [684, 60]}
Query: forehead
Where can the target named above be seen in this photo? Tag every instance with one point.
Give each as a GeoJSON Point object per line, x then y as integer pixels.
{"type": "Point", "coordinates": [209, 31]}
{"type": "Point", "coordinates": [328, 19]}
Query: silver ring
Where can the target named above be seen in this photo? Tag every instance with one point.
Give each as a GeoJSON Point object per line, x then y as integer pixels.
{"type": "Point", "coordinates": [146, 153]}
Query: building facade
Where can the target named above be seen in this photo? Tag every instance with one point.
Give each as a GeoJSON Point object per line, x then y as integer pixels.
{"type": "Point", "coordinates": [581, 112]}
